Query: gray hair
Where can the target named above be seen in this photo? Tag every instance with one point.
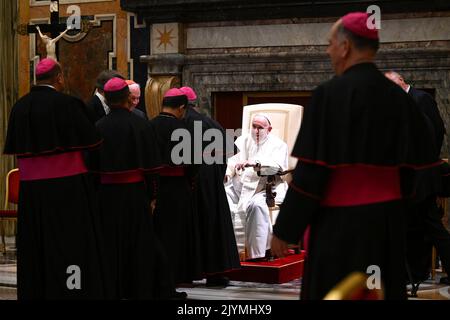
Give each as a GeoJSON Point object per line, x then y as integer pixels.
{"type": "Point", "coordinates": [359, 42]}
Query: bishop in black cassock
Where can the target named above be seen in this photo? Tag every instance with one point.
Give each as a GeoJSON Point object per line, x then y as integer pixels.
{"type": "Point", "coordinates": [360, 139]}
{"type": "Point", "coordinates": [125, 160]}
{"type": "Point", "coordinates": [216, 227]}
{"type": "Point", "coordinates": [58, 255]}
{"type": "Point", "coordinates": [176, 221]}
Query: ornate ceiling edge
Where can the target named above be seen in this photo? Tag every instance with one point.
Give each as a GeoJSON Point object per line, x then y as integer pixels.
{"type": "Point", "coordinates": [230, 10]}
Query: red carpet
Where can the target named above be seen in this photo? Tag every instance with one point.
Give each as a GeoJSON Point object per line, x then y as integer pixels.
{"type": "Point", "coordinates": [277, 271]}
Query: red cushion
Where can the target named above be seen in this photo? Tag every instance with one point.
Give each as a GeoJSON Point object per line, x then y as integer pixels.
{"type": "Point", "coordinates": [13, 182]}
{"type": "Point", "coordinates": [8, 213]}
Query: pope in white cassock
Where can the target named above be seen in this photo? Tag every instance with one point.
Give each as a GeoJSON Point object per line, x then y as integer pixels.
{"type": "Point", "coordinates": [246, 190]}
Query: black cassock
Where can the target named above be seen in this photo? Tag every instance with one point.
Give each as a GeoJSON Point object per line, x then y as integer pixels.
{"type": "Point", "coordinates": [429, 107]}
{"type": "Point", "coordinates": [176, 222]}
{"type": "Point", "coordinates": [95, 109]}
{"type": "Point", "coordinates": [127, 157]}
{"type": "Point", "coordinates": [216, 228]}
{"type": "Point", "coordinates": [58, 233]}
{"type": "Point", "coordinates": [360, 141]}
{"type": "Point", "coordinates": [425, 227]}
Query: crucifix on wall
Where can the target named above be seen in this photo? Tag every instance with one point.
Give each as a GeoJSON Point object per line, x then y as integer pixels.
{"type": "Point", "coordinates": [56, 29]}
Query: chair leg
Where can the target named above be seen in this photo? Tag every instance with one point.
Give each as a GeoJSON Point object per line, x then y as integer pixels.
{"type": "Point", "coordinates": [2, 232]}
{"type": "Point", "coordinates": [433, 263]}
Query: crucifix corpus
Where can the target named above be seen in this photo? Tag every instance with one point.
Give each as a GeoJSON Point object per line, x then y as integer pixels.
{"type": "Point", "coordinates": [56, 29]}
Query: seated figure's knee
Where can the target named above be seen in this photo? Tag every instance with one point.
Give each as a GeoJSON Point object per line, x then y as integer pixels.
{"type": "Point", "coordinates": [255, 207]}
{"type": "Point", "coordinates": [257, 210]}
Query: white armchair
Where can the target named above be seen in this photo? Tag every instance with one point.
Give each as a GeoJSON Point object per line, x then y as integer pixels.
{"type": "Point", "coordinates": [285, 121]}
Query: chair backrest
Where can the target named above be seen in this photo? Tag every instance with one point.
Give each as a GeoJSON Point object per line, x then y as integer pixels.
{"type": "Point", "coordinates": [285, 119]}
{"type": "Point", "coordinates": [12, 187]}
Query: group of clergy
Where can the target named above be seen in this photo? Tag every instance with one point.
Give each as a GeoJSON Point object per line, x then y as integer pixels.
{"type": "Point", "coordinates": [103, 210]}
{"type": "Point", "coordinates": [106, 212]}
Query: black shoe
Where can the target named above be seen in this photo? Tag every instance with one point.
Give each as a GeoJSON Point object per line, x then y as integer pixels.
{"type": "Point", "coordinates": [414, 289]}
{"type": "Point", "coordinates": [263, 259]}
{"type": "Point", "coordinates": [179, 295]}
{"type": "Point", "coordinates": [217, 281]}
{"type": "Point", "coordinates": [444, 280]}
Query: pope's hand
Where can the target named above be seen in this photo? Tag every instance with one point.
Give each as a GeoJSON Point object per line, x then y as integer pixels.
{"type": "Point", "coordinates": [246, 163]}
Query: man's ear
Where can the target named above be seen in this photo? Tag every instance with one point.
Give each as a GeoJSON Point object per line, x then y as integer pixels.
{"type": "Point", "coordinates": [346, 47]}
{"type": "Point", "coordinates": [130, 100]}
{"type": "Point", "coordinates": [59, 80]}
{"type": "Point", "coordinates": [269, 129]}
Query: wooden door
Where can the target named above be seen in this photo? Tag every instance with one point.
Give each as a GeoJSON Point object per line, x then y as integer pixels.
{"type": "Point", "coordinates": [227, 106]}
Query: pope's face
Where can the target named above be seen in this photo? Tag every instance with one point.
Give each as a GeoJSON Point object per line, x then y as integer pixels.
{"type": "Point", "coordinates": [260, 129]}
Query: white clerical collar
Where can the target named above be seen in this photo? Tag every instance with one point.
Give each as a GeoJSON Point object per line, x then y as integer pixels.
{"type": "Point", "coordinates": [407, 89]}
{"type": "Point", "coordinates": [103, 101]}
{"type": "Point", "coordinates": [46, 85]}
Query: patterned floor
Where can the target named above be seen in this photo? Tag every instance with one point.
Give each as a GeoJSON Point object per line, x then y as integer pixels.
{"type": "Point", "coordinates": [429, 290]}
{"type": "Point", "coordinates": [8, 276]}
{"type": "Point", "coordinates": [237, 290]}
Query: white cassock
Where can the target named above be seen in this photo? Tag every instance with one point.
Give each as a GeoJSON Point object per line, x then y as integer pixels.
{"type": "Point", "coordinates": [247, 196]}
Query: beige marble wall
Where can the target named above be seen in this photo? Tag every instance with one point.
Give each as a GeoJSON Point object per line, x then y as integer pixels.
{"type": "Point", "coordinates": [305, 34]}
{"type": "Point", "coordinates": [258, 35]}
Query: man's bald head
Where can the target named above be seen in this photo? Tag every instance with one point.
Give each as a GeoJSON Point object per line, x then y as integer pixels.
{"type": "Point", "coordinates": [347, 48]}
{"type": "Point", "coordinates": [397, 79]}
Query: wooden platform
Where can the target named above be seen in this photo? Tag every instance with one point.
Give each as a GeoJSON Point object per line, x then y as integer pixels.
{"type": "Point", "coordinates": [275, 271]}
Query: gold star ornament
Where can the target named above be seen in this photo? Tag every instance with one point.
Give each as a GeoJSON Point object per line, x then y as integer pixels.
{"type": "Point", "coordinates": [165, 38]}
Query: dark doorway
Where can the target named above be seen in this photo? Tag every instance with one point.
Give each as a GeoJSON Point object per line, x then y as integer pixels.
{"type": "Point", "coordinates": [227, 106]}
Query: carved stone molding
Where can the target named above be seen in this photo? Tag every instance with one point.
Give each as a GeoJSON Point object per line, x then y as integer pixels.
{"type": "Point", "coordinates": [161, 11]}
{"type": "Point", "coordinates": [164, 64]}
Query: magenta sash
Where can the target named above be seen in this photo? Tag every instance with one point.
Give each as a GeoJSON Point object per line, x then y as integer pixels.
{"type": "Point", "coordinates": [51, 166]}
{"type": "Point", "coordinates": [360, 185]}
